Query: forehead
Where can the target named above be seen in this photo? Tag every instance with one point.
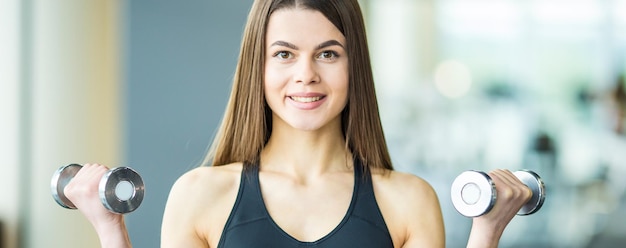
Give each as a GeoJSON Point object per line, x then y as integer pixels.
{"type": "Point", "coordinates": [301, 25]}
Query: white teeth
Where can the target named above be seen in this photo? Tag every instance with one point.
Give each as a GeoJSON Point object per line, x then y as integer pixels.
{"type": "Point", "coordinates": [306, 99]}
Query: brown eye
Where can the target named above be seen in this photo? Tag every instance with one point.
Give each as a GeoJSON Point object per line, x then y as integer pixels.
{"type": "Point", "coordinates": [282, 55]}
{"type": "Point", "coordinates": [328, 55]}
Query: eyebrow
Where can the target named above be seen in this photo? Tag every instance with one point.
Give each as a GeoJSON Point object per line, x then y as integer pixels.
{"type": "Point", "coordinates": [320, 46]}
{"type": "Point", "coordinates": [330, 43]}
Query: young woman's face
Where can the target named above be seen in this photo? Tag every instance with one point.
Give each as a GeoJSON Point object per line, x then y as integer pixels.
{"type": "Point", "coordinates": [306, 69]}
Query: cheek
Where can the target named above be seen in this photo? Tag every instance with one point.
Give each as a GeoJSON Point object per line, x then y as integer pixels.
{"type": "Point", "coordinates": [341, 84]}
{"type": "Point", "coordinates": [271, 85]}
{"type": "Point", "coordinates": [272, 76]}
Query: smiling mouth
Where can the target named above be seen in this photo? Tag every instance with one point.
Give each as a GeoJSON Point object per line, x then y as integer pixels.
{"type": "Point", "coordinates": [305, 99]}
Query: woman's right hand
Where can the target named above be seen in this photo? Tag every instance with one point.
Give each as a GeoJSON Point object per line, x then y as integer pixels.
{"type": "Point", "coordinates": [82, 190]}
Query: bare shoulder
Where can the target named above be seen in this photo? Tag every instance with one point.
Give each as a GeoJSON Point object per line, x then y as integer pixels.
{"type": "Point", "coordinates": [411, 209]}
{"type": "Point", "coordinates": [204, 185]}
{"type": "Point", "coordinates": [403, 187]}
{"type": "Point", "coordinates": [209, 179]}
{"type": "Point", "coordinates": [199, 204]}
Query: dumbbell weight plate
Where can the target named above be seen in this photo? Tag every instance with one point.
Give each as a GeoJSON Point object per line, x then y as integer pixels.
{"type": "Point", "coordinates": [121, 190]}
{"type": "Point", "coordinates": [534, 182]}
{"type": "Point", "coordinates": [60, 179]}
{"type": "Point", "coordinates": [473, 193]}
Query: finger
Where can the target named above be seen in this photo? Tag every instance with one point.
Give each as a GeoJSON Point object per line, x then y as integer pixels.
{"type": "Point", "coordinates": [504, 176]}
{"type": "Point", "coordinates": [85, 182]}
{"type": "Point", "coordinates": [91, 171]}
{"type": "Point", "coordinates": [509, 187]}
{"type": "Point", "coordinates": [511, 178]}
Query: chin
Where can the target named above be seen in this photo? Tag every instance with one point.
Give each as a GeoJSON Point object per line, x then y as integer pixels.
{"type": "Point", "coordinates": [311, 124]}
{"type": "Point", "coordinates": [306, 126]}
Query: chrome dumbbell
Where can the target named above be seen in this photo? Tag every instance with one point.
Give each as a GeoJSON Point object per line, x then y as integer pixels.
{"type": "Point", "coordinates": [121, 189]}
{"type": "Point", "coordinates": [473, 193]}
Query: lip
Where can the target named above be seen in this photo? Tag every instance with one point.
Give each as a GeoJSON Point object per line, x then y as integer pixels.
{"type": "Point", "coordinates": [306, 105]}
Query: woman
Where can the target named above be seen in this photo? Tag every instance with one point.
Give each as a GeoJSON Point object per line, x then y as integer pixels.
{"type": "Point", "coordinates": [300, 158]}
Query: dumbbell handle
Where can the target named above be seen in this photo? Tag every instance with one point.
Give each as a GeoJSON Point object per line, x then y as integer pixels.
{"type": "Point", "coordinates": [473, 193]}
{"type": "Point", "coordinates": [121, 189]}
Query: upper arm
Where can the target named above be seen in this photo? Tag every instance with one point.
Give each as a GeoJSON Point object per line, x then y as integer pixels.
{"type": "Point", "coordinates": [425, 223]}
{"type": "Point", "coordinates": [411, 210]}
{"type": "Point", "coordinates": [199, 205]}
{"type": "Point", "coordinates": [181, 212]}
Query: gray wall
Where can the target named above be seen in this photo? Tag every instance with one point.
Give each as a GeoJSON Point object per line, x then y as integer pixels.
{"type": "Point", "coordinates": [180, 58]}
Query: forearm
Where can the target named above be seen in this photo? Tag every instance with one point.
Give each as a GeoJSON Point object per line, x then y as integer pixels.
{"type": "Point", "coordinates": [113, 234]}
{"type": "Point", "coordinates": [484, 236]}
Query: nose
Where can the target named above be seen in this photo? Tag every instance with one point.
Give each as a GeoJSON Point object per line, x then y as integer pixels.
{"type": "Point", "coordinates": [306, 72]}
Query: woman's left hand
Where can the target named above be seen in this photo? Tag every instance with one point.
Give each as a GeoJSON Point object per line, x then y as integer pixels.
{"type": "Point", "coordinates": [512, 194]}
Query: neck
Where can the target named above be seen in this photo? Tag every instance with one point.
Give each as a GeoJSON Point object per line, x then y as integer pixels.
{"type": "Point", "coordinates": [306, 153]}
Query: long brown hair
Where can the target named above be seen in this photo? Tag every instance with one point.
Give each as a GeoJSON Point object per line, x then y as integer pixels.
{"type": "Point", "coordinates": [247, 122]}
